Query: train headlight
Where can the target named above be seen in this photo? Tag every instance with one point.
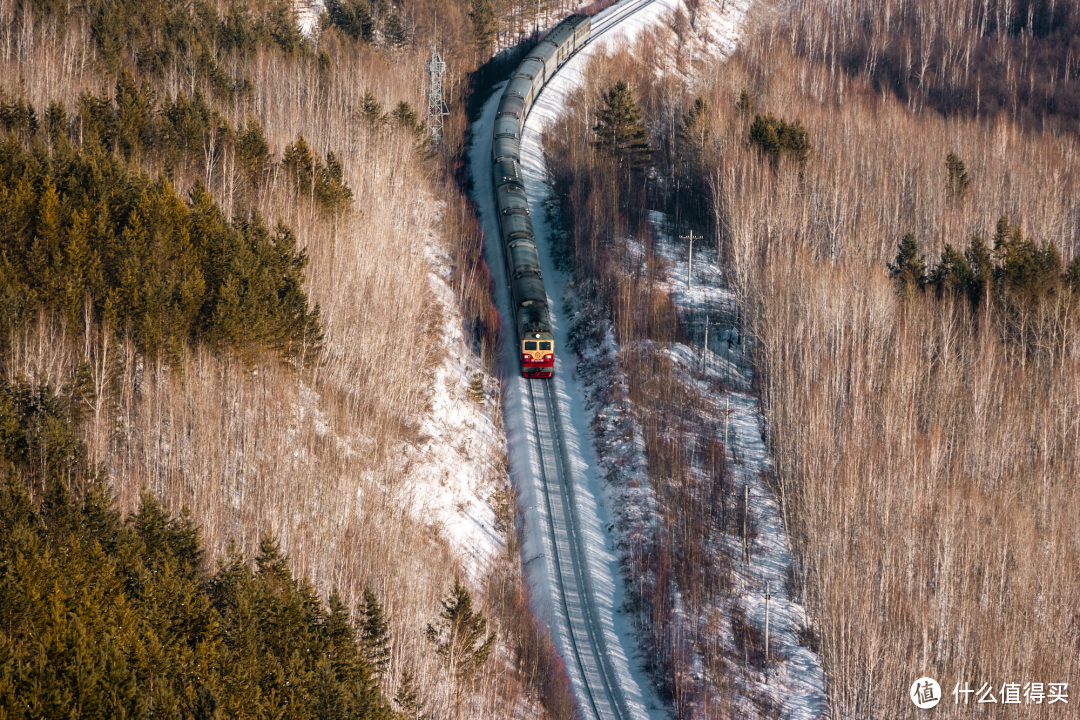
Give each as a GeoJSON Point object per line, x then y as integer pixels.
{"type": "Point", "coordinates": [547, 357]}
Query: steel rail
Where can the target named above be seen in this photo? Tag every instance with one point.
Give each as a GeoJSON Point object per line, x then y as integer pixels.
{"type": "Point", "coordinates": [595, 629]}
{"type": "Point", "coordinates": [586, 635]}
{"type": "Point", "coordinates": [603, 695]}
{"type": "Point", "coordinates": [614, 19]}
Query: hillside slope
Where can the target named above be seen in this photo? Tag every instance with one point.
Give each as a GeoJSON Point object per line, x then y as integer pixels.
{"type": "Point", "coordinates": [370, 447]}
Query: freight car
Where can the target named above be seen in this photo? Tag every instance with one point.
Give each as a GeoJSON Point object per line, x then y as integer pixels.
{"type": "Point", "coordinates": [527, 294]}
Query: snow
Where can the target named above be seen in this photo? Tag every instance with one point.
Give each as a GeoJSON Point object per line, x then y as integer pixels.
{"type": "Point", "coordinates": [591, 503]}
{"type": "Point", "coordinates": [307, 15]}
{"type": "Point", "coordinates": [797, 685]}
{"type": "Point", "coordinates": [607, 512]}
{"type": "Point", "coordinates": [457, 464]}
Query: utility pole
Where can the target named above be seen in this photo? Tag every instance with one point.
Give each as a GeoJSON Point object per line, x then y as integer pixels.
{"type": "Point", "coordinates": [436, 107]}
{"type": "Point", "coordinates": [690, 264]}
{"type": "Point", "coordinates": [746, 514]}
{"type": "Point", "coordinates": [728, 412]}
{"type": "Point", "coordinates": [767, 598]}
{"type": "Point", "coordinates": [705, 354]}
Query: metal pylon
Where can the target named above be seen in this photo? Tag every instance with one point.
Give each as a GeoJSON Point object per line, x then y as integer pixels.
{"type": "Point", "coordinates": [436, 107]}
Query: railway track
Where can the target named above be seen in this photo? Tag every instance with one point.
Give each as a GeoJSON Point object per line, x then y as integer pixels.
{"type": "Point", "coordinates": [603, 695]}
{"type": "Point", "coordinates": [620, 13]}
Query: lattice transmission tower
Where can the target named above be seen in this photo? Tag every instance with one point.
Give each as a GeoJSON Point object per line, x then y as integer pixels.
{"type": "Point", "coordinates": [436, 108]}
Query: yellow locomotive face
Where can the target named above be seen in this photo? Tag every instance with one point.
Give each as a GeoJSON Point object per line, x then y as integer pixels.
{"type": "Point", "coordinates": [537, 350]}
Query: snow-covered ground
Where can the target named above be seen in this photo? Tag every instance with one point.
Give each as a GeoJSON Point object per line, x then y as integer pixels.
{"type": "Point", "coordinates": [795, 685]}
{"type": "Point", "coordinates": [592, 505]}
{"type": "Point", "coordinates": [458, 463]}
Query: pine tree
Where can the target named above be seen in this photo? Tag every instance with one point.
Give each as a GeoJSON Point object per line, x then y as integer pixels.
{"type": "Point", "coordinates": [134, 110]}
{"type": "Point", "coordinates": [482, 15]}
{"type": "Point", "coordinates": [374, 634]}
{"type": "Point", "coordinates": [371, 109]}
{"type": "Point", "coordinates": [1002, 233]}
{"type": "Point", "coordinates": [394, 32]}
{"type": "Point", "coordinates": [300, 164]}
{"type": "Point", "coordinates": [45, 258]}
{"type": "Point", "coordinates": [1072, 274]}
{"type": "Point", "coordinates": [776, 137]}
{"type": "Point", "coordinates": [981, 263]}
{"type": "Point", "coordinates": [254, 154]}
{"type": "Point", "coordinates": [459, 639]}
{"type": "Point", "coordinates": [620, 129]}
{"type": "Point", "coordinates": [952, 274]}
{"type": "Point", "coordinates": [957, 181]}
{"type": "Point", "coordinates": [909, 268]}
{"type": "Point", "coordinates": [694, 133]}
{"type": "Point", "coordinates": [745, 106]}
{"type": "Point", "coordinates": [353, 18]}
{"type": "Point", "coordinates": [407, 118]}
{"type": "Point", "coordinates": [333, 194]}
{"type": "Point", "coordinates": [410, 706]}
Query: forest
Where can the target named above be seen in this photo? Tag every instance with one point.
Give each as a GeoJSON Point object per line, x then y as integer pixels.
{"type": "Point", "coordinates": [216, 273]}
{"type": "Point", "coordinates": [901, 240]}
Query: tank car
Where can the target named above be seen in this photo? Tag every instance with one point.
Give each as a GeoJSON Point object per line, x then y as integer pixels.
{"type": "Point", "coordinates": [527, 293]}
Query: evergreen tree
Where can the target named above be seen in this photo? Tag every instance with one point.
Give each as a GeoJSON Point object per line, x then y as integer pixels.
{"type": "Point", "coordinates": [371, 109]}
{"type": "Point", "coordinates": [981, 263]}
{"type": "Point", "coordinates": [694, 133]}
{"type": "Point", "coordinates": [953, 274]}
{"type": "Point", "coordinates": [957, 181]}
{"type": "Point", "coordinates": [482, 15]}
{"type": "Point", "coordinates": [776, 137]}
{"type": "Point", "coordinates": [408, 119]}
{"type": "Point", "coordinates": [620, 129]}
{"type": "Point", "coordinates": [254, 154]}
{"type": "Point", "coordinates": [410, 706]}
{"type": "Point", "coordinates": [394, 32]}
{"type": "Point", "coordinates": [909, 268]}
{"type": "Point", "coordinates": [353, 17]}
{"type": "Point", "coordinates": [745, 106]}
{"type": "Point", "coordinates": [459, 639]}
{"type": "Point", "coordinates": [1002, 233]}
{"type": "Point", "coordinates": [1072, 274]}
{"type": "Point", "coordinates": [134, 112]}
{"type": "Point", "coordinates": [374, 634]}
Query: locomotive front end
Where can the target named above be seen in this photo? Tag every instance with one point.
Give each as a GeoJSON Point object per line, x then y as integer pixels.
{"type": "Point", "coordinates": [538, 355]}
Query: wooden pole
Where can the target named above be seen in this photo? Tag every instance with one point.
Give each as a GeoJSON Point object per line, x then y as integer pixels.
{"type": "Point", "coordinates": [767, 598]}
{"type": "Point", "coordinates": [705, 353]}
{"type": "Point", "coordinates": [745, 514]}
{"type": "Point", "coordinates": [690, 264]}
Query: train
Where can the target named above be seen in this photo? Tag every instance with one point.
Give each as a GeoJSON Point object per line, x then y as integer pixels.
{"type": "Point", "coordinates": [527, 294]}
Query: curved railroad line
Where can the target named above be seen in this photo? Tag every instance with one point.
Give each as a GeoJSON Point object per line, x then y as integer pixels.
{"type": "Point", "coordinates": [604, 698]}
{"type": "Point", "coordinates": [620, 14]}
